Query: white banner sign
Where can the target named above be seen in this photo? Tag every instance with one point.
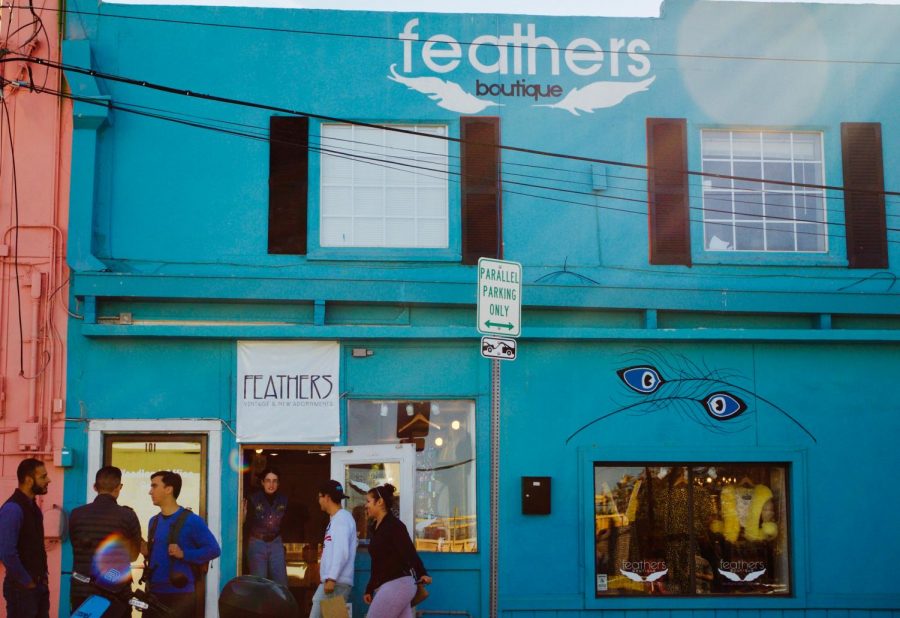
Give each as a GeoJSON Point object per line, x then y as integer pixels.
{"type": "Point", "coordinates": [288, 391]}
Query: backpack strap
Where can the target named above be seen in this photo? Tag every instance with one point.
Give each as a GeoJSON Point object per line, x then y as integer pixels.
{"type": "Point", "coordinates": [151, 537]}
{"type": "Point", "coordinates": [174, 531]}
{"type": "Point", "coordinates": [177, 525]}
{"type": "Point", "coordinates": [199, 570]}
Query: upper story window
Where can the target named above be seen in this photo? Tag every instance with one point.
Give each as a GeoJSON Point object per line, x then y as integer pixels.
{"type": "Point", "coordinates": [384, 189]}
{"type": "Point", "coordinates": [761, 215]}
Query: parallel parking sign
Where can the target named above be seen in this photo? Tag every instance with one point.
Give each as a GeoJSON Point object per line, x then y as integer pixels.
{"type": "Point", "coordinates": [499, 297]}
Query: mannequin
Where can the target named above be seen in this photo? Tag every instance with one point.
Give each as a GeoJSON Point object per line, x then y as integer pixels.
{"type": "Point", "coordinates": [743, 507]}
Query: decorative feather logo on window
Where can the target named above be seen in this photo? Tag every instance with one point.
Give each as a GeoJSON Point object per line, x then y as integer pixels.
{"type": "Point", "coordinates": [737, 578]}
{"type": "Point", "coordinates": [650, 578]}
{"type": "Point", "coordinates": [709, 397]}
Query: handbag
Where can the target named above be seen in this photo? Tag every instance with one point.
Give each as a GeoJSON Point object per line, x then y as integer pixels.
{"type": "Point", "coordinates": [421, 595]}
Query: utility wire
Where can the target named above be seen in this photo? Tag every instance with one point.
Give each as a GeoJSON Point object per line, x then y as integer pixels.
{"type": "Point", "coordinates": [375, 37]}
{"type": "Point", "coordinates": [854, 280]}
{"type": "Point", "coordinates": [419, 169]}
{"type": "Point", "coordinates": [447, 174]}
{"type": "Point", "coordinates": [272, 108]}
{"type": "Point", "coordinates": [15, 187]}
{"type": "Point", "coordinates": [264, 131]}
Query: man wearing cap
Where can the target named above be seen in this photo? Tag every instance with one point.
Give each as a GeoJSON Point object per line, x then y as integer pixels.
{"type": "Point", "coordinates": [338, 549]}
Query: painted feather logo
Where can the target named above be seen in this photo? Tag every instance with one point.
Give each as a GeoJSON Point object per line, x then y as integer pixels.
{"type": "Point", "coordinates": [451, 96]}
{"type": "Point", "coordinates": [447, 94]}
{"type": "Point", "coordinates": [710, 397]}
{"type": "Point", "coordinates": [598, 95]}
{"type": "Point", "coordinates": [649, 579]}
{"type": "Point", "coordinates": [737, 578]}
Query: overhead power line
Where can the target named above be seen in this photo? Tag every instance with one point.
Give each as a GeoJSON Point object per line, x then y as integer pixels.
{"type": "Point", "coordinates": [7, 56]}
{"type": "Point", "coordinates": [377, 37]}
{"type": "Point", "coordinates": [404, 164]}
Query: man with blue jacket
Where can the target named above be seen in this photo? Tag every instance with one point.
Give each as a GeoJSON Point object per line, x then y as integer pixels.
{"type": "Point", "coordinates": [173, 563]}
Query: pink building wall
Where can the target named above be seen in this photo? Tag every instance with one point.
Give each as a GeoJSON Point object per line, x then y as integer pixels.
{"type": "Point", "coordinates": [35, 141]}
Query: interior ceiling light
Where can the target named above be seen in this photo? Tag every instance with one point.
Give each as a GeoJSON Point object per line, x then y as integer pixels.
{"type": "Point", "coordinates": [384, 410]}
{"type": "Point", "coordinates": [409, 409]}
{"type": "Point", "coordinates": [454, 425]}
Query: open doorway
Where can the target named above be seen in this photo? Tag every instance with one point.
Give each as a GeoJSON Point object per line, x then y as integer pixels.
{"type": "Point", "coordinates": [301, 471]}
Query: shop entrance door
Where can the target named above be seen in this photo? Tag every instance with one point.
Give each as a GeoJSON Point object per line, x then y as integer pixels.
{"type": "Point", "coordinates": [138, 456]}
{"type": "Point", "coordinates": [140, 449]}
{"type": "Point", "coordinates": [360, 468]}
{"type": "Point", "coordinates": [301, 469]}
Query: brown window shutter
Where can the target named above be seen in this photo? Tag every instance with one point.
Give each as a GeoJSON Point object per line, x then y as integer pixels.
{"type": "Point", "coordinates": [667, 191]}
{"type": "Point", "coordinates": [288, 179]}
{"type": "Point", "coordinates": [480, 187]}
{"type": "Point", "coordinates": [864, 195]}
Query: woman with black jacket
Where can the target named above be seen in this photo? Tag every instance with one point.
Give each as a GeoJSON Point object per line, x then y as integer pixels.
{"type": "Point", "coordinates": [396, 567]}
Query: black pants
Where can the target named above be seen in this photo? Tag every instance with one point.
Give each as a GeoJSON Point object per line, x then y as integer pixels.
{"type": "Point", "coordinates": [22, 602]}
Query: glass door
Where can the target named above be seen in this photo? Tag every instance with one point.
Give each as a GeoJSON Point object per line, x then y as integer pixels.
{"type": "Point", "coordinates": [360, 468]}
{"type": "Point", "coordinates": [139, 456]}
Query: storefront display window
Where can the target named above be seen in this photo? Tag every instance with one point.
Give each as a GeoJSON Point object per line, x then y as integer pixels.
{"type": "Point", "coordinates": [444, 434]}
{"type": "Point", "coordinates": [691, 529]}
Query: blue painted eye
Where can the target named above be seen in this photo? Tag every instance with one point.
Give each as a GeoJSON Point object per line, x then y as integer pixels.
{"type": "Point", "coordinates": [644, 380]}
{"type": "Point", "coordinates": [722, 406]}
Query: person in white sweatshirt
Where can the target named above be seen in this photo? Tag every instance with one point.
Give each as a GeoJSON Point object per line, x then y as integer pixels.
{"type": "Point", "coordinates": [338, 549]}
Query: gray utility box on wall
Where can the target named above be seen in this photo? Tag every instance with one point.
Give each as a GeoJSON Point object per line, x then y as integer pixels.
{"type": "Point", "coordinates": [535, 495]}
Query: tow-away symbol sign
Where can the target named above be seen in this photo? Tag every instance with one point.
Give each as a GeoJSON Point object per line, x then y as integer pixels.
{"type": "Point", "coordinates": [499, 297]}
{"type": "Point", "coordinates": [499, 347]}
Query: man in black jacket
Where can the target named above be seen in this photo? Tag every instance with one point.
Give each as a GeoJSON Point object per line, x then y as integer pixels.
{"type": "Point", "coordinates": [106, 539]}
{"type": "Point", "coordinates": [22, 549]}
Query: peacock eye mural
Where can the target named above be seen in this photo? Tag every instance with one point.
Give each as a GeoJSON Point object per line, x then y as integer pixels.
{"type": "Point", "coordinates": [673, 384]}
{"type": "Point", "coordinates": [644, 380]}
{"type": "Point", "coordinates": [722, 406]}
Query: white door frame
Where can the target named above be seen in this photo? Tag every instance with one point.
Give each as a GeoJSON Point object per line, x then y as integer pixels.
{"type": "Point", "coordinates": [403, 454]}
{"type": "Point", "coordinates": [213, 430]}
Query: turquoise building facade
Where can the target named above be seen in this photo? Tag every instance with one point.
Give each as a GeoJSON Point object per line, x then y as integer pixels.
{"type": "Point", "coordinates": [704, 206]}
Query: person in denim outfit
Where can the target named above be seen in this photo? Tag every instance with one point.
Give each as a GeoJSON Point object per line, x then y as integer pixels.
{"type": "Point", "coordinates": [265, 510]}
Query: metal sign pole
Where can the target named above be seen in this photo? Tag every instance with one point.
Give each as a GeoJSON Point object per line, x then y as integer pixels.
{"type": "Point", "coordinates": [495, 482]}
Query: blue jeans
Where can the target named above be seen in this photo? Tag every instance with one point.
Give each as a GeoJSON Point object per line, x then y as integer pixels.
{"type": "Point", "coordinates": [24, 602]}
{"type": "Point", "coordinates": [340, 590]}
{"type": "Point", "coordinates": [266, 559]}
